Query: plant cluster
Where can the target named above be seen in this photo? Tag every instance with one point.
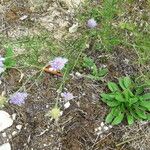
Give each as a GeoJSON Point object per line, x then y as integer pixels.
{"type": "Point", "coordinates": [95, 72]}
{"type": "Point", "coordinates": [126, 100]}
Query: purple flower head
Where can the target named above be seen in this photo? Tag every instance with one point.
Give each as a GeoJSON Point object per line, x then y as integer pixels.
{"type": "Point", "coordinates": [91, 23]}
{"type": "Point", "coordinates": [58, 63]}
{"type": "Point", "coordinates": [18, 98]}
{"type": "Point", "coordinates": [67, 96]}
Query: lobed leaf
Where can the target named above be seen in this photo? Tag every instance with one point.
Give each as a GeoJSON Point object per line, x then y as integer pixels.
{"type": "Point", "coordinates": [9, 61]}
{"type": "Point", "coordinates": [102, 72]}
{"type": "Point", "coordinates": [107, 96]}
{"type": "Point", "coordinates": [145, 104]}
{"type": "Point", "coordinates": [130, 119]}
{"type": "Point", "coordinates": [141, 114]}
{"type": "Point", "coordinates": [117, 120]}
{"type": "Point", "coordinates": [110, 117]}
{"type": "Point", "coordinates": [113, 86]}
{"type": "Point", "coordinates": [127, 82]}
{"type": "Point", "coordinates": [121, 83]}
{"type": "Point", "coordinates": [146, 96]}
{"type": "Point", "coordinates": [113, 103]}
{"type": "Point", "coordinates": [119, 97]}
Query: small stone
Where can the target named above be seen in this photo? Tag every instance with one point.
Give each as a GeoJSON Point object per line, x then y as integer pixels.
{"type": "Point", "coordinates": [9, 136]}
{"type": "Point", "coordinates": [23, 17]}
{"type": "Point", "coordinates": [73, 28]}
{"type": "Point", "coordinates": [96, 129]}
{"type": "Point", "coordinates": [5, 120]}
{"type": "Point", "coordinates": [83, 94]}
{"type": "Point", "coordinates": [14, 116]}
{"type": "Point", "coordinates": [126, 61]}
{"type": "Point", "coordinates": [98, 133]}
{"type": "Point", "coordinates": [14, 133]}
{"type": "Point", "coordinates": [102, 124]}
{"type": "Point", "coordinates": [47, 106]}
{"type": "Point", "coordinates": [99, 128]}
{"type": "Point", "coordinates": [61, 113]}
{"type": "Point", "coordinates": [78, 74]}
{"type": "Point", "coordinates": [5, 146]}
{"type": "Point", "coordinates": [105, 128]}
{"type": "Point", "coordinates": [66, 105]}
{"type": "Point", "coordinates": [19, 127]}
{"type": "Point", "coordinates": [4, 134]}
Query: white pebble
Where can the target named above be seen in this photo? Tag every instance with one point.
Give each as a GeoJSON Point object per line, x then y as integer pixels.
{"type": "Point", "coordinates": [99, 128]}
{"type": "Point", "coordinates": [47, 106]}
{"type": "Point", "coordinates": [102, 124]}
{"type": "Point", "coordinates": [23, 17]}
{"type": "Point", "coordinates": [61, 113]}
{"type": "Point", "coordinates": [5, 146]}
{"type": "Point", "coordinates": [100, 132]}
{"type": "Point", "coordinates": [5, 120]}
{"type": "Point", "coordinates": [73, 28]}
{"type": "Point", "coordinates": [96, 129]}
{"type": "Point", "coordinates": [14, 116]}
{"type": "Point", "coordinates": [66, 105]}
{"type": "Point", "coordinates": [9, 136]}
{"type": "Point", "coordinates": [105, 128]}
{"type": "Point", "coordinates": [19, 126]}
{"type": "Point", "coordinates": [78, 74]}
{"type": "Point", "coordinates": [4, 134]}
{"type": "Point", "coordinates": [14, 133]}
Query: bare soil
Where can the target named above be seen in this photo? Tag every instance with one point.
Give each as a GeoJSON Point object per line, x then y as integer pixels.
{"type": "Point", "coordinates": [76, 128]}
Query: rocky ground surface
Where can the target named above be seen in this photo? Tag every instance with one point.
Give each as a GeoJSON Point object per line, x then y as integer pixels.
{"type": "Point", "coordinates": [81, 126]}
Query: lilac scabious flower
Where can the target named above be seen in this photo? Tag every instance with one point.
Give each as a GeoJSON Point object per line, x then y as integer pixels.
{"type": "Point", "coordinates": [58, 63]}
{"type": "Point", "coordinates": [91, 23]}
{"type": "Point", "coordinates": [2, 69]}
{"type": "Point", "coordinates": [67, 96]}
{"type": "Point", "coordinates": [18, 98]}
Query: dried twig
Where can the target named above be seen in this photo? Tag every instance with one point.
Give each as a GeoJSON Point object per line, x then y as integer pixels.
{"type": "Point", "coordinates": [129, 140]}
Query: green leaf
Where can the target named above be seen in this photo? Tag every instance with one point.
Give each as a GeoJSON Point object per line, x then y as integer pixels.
{"type": "Point", "coordinates": [148, 117]}
{"type": "Point", "coordinates": [128, 26]}
{"type": "Point", "coordinates": [110, 117]}
{"type": "Point", "coordinates": [141, 113]}
{"type": "Point", "coordinates": [94, 70]}
{"type": "Point", "coordinates": [132, 112]}
{"type": "Point", "coordinates": [119, 97]}
{"type": "Point", "coordinates": [126, 94]}
{"type": "Point", "coordinates": [130, 119]}
{"type": "Point", "coordinates": [133, 100]}
{"type": "Point", "coordinates": [121, 83]}
{"type": "Point", "coordinates": [114, 112]}
{"type": "Point", "coordinates": [88, 62]}
{"type": "Point", "coordinates": [113, 103]}
{"type": "Point", "coordinates": [107, 96]}
{"type": "Point", "coordinates": [145, 104]}
{"type": "Point", "coordinates": [113, 86]}
{"type": "Point", "coordinates": [118, 119]}
{"type": "Point", "coordinates": [104, 100]}
{"type": "Point", "coordinates": [102, 72]}
{"type": "Point", "coordinates": [123, 107]}
{"type": "Point", "coordinates": [9, 60]}
{"type": "Point", "coordinates": [146, 96]}
{"type": "Point", "coordinates": [127, 82]}
{"type": "Point", "coordinates": [139, 90]}
{"type": "Point", "coordinates": [130, 93]}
